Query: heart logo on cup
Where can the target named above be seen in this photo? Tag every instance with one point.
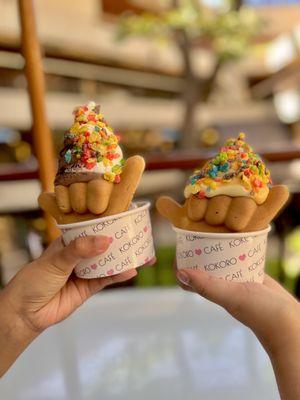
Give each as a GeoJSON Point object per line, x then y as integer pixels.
{"type": "Point", "coordinates": [242, 257]}
{"type": "Point", "coordinates": [198, 252]}
{"type": "Point", "coordinates": [110, 272]}
{"type": "Point", "coordinates": [145, 229]}
{"type": "Point", "coordinates": [94, 266]}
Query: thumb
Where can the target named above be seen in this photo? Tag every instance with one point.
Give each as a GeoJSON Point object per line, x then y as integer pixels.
{"type": "Point", "coordinates": [64, 260]}
{"type": "Point", "coordinates": [226, 294]}
{"type": "Point", "coordinates": [170, 209]}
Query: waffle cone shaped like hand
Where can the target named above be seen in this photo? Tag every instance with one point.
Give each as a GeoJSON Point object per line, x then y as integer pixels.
{"type": "Point", "coordinates": [223, 213]}
{"type": "Point", "coordinates": [85, 201]}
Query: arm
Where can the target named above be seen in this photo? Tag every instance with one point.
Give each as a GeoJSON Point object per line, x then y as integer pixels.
{"type": "Point", "coordinates": [268, 310]}
{"type": "Point", "coordinates": [46, 292]}
{"type": "Point", "coordinates": [286, 362]}
{"type": "Point", "coordinates": [15, 336]}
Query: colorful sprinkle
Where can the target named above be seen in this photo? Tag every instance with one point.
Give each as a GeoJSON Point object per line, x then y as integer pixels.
{"type": "Point", "coordinates": [90, 141]}
{"type": "Point", "coordinates": [236, 160]}
{"type": "Point", "coordinates": [201, 194]}
{"type": "Point", "coordinates": [68, 156]}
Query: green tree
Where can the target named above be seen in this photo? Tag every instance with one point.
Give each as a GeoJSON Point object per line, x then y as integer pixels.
{"type": "Point", "coordinates": [228, 31]}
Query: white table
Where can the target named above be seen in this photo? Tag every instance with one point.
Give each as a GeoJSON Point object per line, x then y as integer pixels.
{"type": "Point", "coordinates": [143, 344]}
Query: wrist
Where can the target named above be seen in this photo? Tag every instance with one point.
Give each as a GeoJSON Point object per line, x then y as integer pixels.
{"type": "Point", "coordinates": [15, 334]}
{"type": "Point", "coordinates": [284, 338]}
{"type": "Point", "coordinates": [12, 319]}
{"type": "Point", "coordinates": [285, 360]}
{"type": "Point", "coordinates": [290, 345]}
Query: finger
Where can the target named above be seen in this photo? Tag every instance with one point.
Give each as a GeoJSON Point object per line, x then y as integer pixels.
{"type": "Point", "coordinates": [47, 202]}
{"type": "Point", "coordinates": [184, 286]}
{"type": "Point", "coordinates": [240, 212]}
{"type": "Point", "coordinates": [266, 212]}
{"type": "Point", "coordinates": [100, 283]}
{"type": "Point", "coordinates": [180, 283]}
{"type": "Point", "coordinates": [62, 198]}
{"type": "Point", "coordinates": [196, 208]}
{"type": "Point", "coordinates": [217, 209]}
{"type": "Point", "coordinates": [151, 262]}
{"type": "Point", "coordinates": [53, 248]}
{"type": "Point", "coordinates": [77, 194]}
{"type": "Point", "coordinates": [217, 290]}
{"type": "Point", "coordinates": [66, 258]}
{"type": "Point", "coordinates": [98, 195]}
{"type": "Point", "coordinates": [123, 192]}
{"type": "Point", "coordinates": [170, 209]}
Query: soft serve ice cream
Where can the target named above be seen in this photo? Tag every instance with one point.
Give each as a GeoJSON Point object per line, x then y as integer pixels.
{"type": "Point", "coordinates": [91, 149]}
{"type": "Point", "coordinates": [93, 195]}
{"type": "Point", "coordinates": [236, 172]}
{"type": "Point", "coordinates": [223, 225]}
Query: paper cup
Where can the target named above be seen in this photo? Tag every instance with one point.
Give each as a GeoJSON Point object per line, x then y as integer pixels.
{"type": "Point", "coordinates": [131, 239]}
{"type": "Point", "coordinates": [237, 257]}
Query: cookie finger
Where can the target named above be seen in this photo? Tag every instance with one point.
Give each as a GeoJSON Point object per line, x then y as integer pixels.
{"type": "Point", "coordinates": [196, 208]}
{"type": "Point", "coordinates": [265, 213]}
{"type": "Point", "coordinates": [77, 193]}
{"type": "Point", "coordinates": [217, 209]}
{"type": "Point", "coordinates": [123, 192]}
{"type": "Point", "coordinates": [62, 198]}
{"type": "Point", "coordinates": [47, 202]}
{"type": "Point", "coordinates": [171, 210]}
{"type": "Point", "coordinates": [240, 212]}
{"type": "Point", "coordinates": [98, 195]}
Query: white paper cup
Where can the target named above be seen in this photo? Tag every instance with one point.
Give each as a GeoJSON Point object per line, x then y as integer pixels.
{"type": "Point", "coordinates": [131, 239]}
{"type": "Point", "coordinates": [237, 257]}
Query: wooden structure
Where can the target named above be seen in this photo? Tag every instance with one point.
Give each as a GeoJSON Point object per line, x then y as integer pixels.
{"type": "Point", "coordinates": [42, 138]}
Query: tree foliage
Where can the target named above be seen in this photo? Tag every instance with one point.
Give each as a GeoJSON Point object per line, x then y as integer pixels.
{"type": "Point", "coordinates": [227, 31]}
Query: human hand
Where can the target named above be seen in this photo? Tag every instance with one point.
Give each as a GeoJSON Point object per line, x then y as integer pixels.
{"type": "Point", "coordinates": [267, 308]}
{"type": "Point", "coordinates": [46, 291]}
{"type": "Point", "coordinates": [223, 213]}
{"type": "Point", "coordinates": [83, 201]}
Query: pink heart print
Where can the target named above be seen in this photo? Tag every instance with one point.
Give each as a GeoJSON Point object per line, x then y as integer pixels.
{"type": "Point", "coordinates": [94, 266]}
{"type": "Point", "coordinates": [198, 252]}
{"type": "Point", "coordinates": [110, 239]}
{"type": "Point", "coordinates": [242, 257]}
{"type": "Point", "coordinates": [145, 229]}
{"type": "Point", "coordinates": [110, 272]}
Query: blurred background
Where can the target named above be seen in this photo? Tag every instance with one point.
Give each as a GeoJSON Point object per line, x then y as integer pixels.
{"type": "Point", "coordinates": [174, 78]}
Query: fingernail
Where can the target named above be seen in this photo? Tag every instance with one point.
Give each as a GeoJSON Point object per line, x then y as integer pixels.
{"type": "Point", "coordinates": [101, 242]}
{"type": "Point", "coordinates": [183, 278]}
